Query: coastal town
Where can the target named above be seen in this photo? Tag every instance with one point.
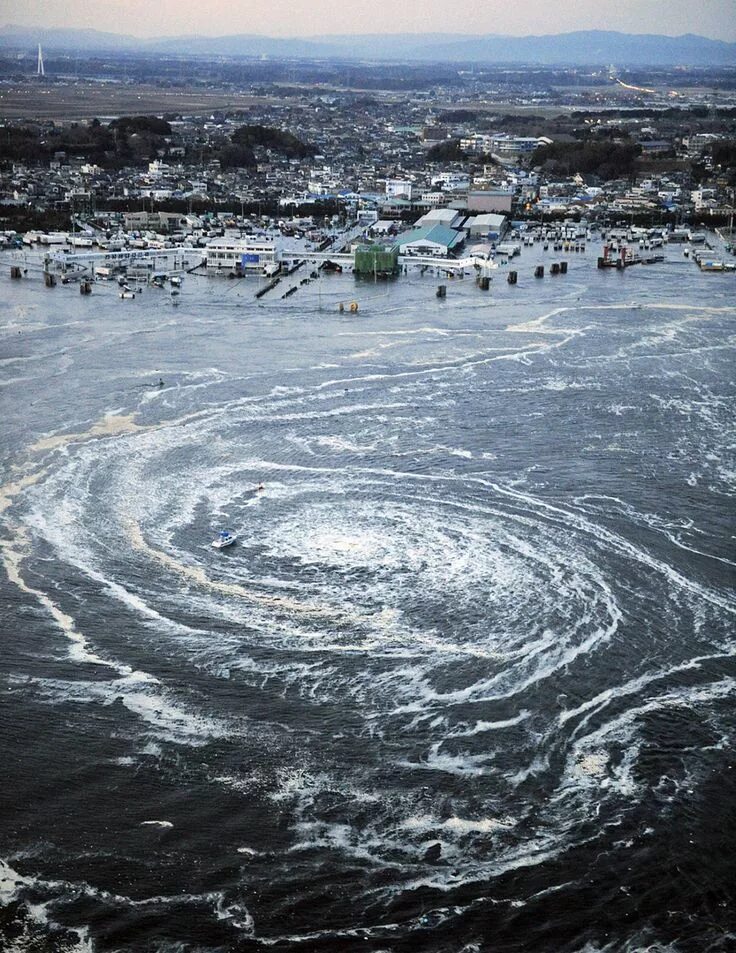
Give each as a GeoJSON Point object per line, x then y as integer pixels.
{"type": "Point", "coordinates": [446, 173]}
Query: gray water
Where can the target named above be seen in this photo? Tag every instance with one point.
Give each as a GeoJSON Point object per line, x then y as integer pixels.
{"type": "Point", "coordinates": [466, 680]}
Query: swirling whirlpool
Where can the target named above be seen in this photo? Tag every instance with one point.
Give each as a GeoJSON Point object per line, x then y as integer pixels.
{"type": "Point", "coordinates": [410, 683]}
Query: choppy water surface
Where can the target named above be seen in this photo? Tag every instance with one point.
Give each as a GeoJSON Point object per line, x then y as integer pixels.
{"type": "Point", "coordinates": [466, 682]}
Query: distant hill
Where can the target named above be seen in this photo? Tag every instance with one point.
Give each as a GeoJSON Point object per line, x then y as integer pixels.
{"type": "Point", "coordinates": [593, 48]}
{"type": "Point", "coordinates": [20, 37]}
{"type": "Point", "coordinates": [589, 47]}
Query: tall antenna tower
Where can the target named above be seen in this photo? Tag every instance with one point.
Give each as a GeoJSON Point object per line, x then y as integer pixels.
{"type": "Point", "coordinates": [40, 71]}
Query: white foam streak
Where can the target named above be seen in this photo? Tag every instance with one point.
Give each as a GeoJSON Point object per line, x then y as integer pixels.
{"type": "Point", "coordinates": [79, 649]}
{"type": "Point", "coordinates": [13, 887]}
{"type": "Point", "coordinates": [587, 758]}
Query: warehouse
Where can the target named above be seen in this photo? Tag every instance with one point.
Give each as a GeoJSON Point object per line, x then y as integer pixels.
{"type": "Point", "coordinates": [435, 240]}
{"type": "Point", "coordinates": [490, 225]}
{"type": "Point", "coordinates": [449, 217]}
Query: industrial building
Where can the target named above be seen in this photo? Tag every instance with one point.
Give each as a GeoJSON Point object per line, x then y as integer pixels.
{"type": "Point", "coordinates": [449, 217]}
{"type": "Point", "coordinates": [489, 225]}
{"type": "Point", "coordinates": [434, 240]}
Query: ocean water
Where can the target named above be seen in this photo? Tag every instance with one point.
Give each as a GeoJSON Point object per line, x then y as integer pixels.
{"type": "Point", "coordinates": [465, 682]}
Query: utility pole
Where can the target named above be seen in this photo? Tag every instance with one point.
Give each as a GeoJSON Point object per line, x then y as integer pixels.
{"type": "Point", "coordinates": [40, 69]}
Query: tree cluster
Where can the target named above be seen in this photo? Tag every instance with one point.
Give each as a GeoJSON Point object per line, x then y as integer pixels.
{"type": "Point", "coordinates": [723, 155]}
{"type": "Point", "coordinates": [126, 141]}
{"type": "Point", "coordinates": [35, 144]}
{"type": "Point", "coordinates": [458, 115]}
{"type": "Point", "coordinates": [449, 151]}
{"type": "Point", "coordinates": [607, 160]}
{"type": "Point", "coordinates": [279, 140]}
{"type": "Point", "coordinates": [240, 152]}
{"type": "Point", "coordinates": [149, 125]}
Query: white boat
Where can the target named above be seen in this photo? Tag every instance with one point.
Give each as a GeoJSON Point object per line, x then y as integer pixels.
{"type": "Point", "coordinates": [226, 538]}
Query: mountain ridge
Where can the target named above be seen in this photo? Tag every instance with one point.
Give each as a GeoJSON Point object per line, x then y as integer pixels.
{"type": "Point", "coordinates": [579, 47]}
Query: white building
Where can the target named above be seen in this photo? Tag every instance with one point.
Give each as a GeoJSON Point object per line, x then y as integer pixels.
{"type": "Point", "coordinates": [398, 188]}
{"type": "Point", "coordinates": [383, 226]}
{"type": "Point", "coordinates": [478, 143]}
{"type": "Point", "coordinates": [504, 146]}
{"type": "Point", "coordinates": [433, 199]}
{"type": "Point", "coordinates": [367, 216]}
{"type": "Point", "coordinates": [451, 181]}
{"type": "Point", "coordinates": [698, 142]}
{"type": "Point", "coordinates": [700, 197]}
{"type": "Point", "coordinates": [488, 225]}
{"type": "Point", "coordinates": [157, 168]}
{"type": "Point", "coordinates": [449, 217]}
{"type": "Point", "coordinates": [242, 254]}
{"type": "Point", "coordinates": [521, 177]}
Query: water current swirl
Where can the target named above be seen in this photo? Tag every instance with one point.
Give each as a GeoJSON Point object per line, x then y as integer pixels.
{"type": "Point", "coordinates": [455, 656]}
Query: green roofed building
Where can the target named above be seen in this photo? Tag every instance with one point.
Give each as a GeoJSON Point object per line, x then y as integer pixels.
{"type": "Point", "coordinates": [379, 260]}
{"type": "Point", "coordinates": [432, 240]}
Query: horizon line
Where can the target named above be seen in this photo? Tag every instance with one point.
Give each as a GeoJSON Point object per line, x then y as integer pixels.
{"type": "Point", "coordinates": [326, 36]}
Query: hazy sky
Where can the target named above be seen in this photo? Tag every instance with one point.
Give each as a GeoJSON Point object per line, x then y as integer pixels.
{"type": "Point", "coordinates": [714, 18]}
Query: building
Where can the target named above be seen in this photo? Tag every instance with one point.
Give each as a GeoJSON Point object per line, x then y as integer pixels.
{"type": "Point", "coordinates": [241, 255]}
{"type": "Point", "coordinates": [489, 225]}
{"type": "Point", "coordinates": [655, 147]}
{"type": "Point", "coordinates": [435, 133]}
{"type": "Point", "coordinates": [162, 222]}
{"type": "Point", "coordinates": [490, 200]}
{"type": "Point", "coordinates": [398, 188]}
{"type": "Point", "coordinates": [433, 240]}
{"type": "Point", "coordinates": [451, 181]}
{"type": "Point", "coordinates": [483, 250]}
{"type": "Point", "coordinates": [383, 226]}
{"type": "Point", "coordinates": [698, 143]}
{"type": "Point", "coordinates": [396, 208]}
{"type": "Point", "coordinates": [433, 199]}
{"type": "Point", "coordinates": [477, 144]}
{"type": "Point", "coordinates": [450, 217]}
{"type": "Point", "coordinates": [701, 197]}
{"type": "Point", "coordinates": [513, 147]}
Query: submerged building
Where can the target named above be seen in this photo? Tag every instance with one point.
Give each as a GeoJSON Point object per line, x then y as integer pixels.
{"type": "Point", "coordinates": [242, 255]}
